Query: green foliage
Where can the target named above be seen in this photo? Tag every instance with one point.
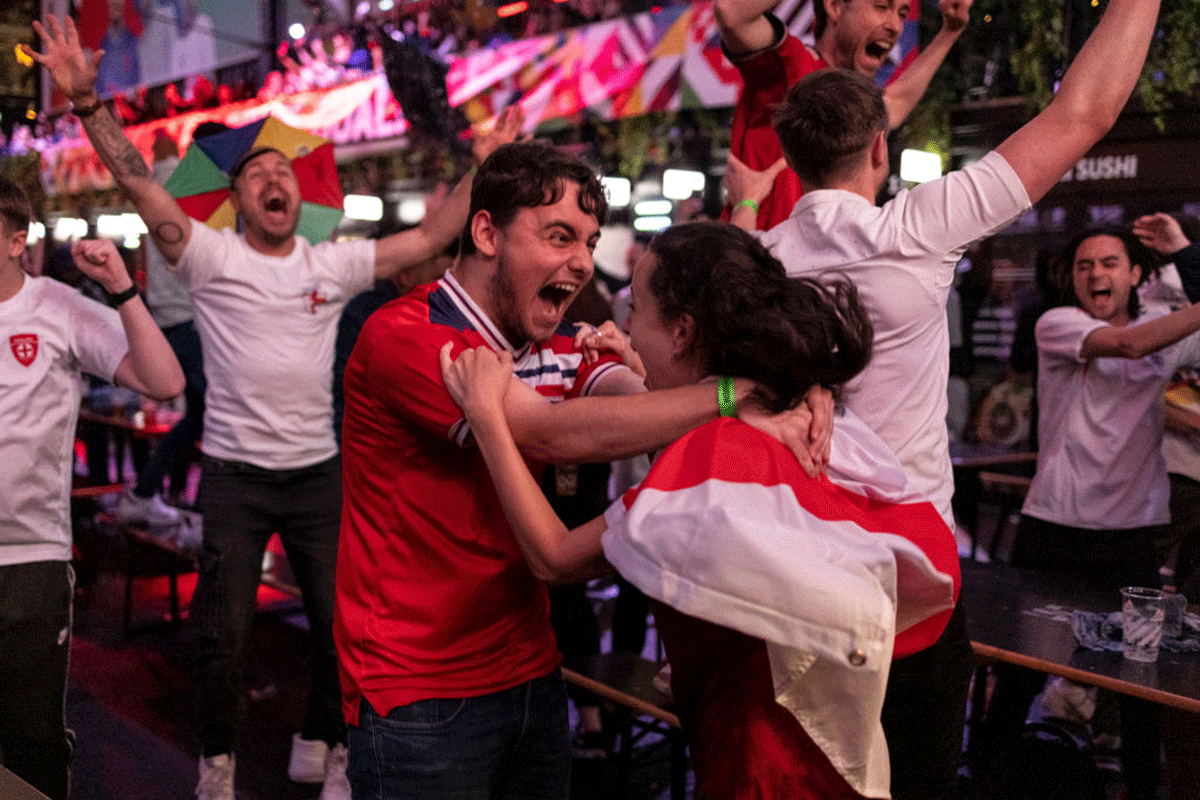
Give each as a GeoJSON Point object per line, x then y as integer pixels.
{"type": "Point", "coordinates": [1037, 60]}
{"type": "Point", "coordinates": [1022, 48]}
{"type": "Point", "coordinates": [1172, 71]}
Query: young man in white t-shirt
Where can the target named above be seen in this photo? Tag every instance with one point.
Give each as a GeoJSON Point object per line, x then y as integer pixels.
{"type": "Point", "coordinates": [266, 305]}
{"type": "Point", "coordinates": [49, 334]}
{"type": "Point", "coordinates": [833, 128]}
{"type": "Point", "coordinates": [1101, 493]}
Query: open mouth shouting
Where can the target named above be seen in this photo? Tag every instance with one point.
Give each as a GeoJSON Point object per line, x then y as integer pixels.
{"type": "Point", "coordinates": [878, 49]}
{"type": "Point", "coordinates": [276, 209]}
{"type": "Point", "coordinates": [553, 299]}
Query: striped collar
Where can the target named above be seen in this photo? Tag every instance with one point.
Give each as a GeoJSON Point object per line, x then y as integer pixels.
{"type": "Point", "coordinates": [477, 318]}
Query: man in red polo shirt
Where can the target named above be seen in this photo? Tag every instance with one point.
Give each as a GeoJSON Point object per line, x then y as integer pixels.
{"type": "Point", "coordinates": [851, 34]}
{"type": "Point", "coordinates": [448, 663]}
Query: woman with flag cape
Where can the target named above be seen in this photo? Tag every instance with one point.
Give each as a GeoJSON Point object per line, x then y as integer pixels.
{"type": "Point", "coordinates": [781, 598]}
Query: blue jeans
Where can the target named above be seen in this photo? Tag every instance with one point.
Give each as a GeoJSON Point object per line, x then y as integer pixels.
{"type": "Point", "coordinates": [509, 744]}
{"type": "Point", "coordinates": [242, 506]}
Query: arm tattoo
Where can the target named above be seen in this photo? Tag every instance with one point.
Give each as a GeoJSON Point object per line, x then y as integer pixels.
{"type": "Point", "coordinates": [168, 233]}
{"type": "Point", "coordinates": [114, 148]}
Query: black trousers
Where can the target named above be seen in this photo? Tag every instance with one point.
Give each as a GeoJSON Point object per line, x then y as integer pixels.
{"type": "Point", "coordinates": [242, 506]}
{"type": "Point", "coordinates": [924, 712]}
{"type": "Point", "coordinates": [35, 645]}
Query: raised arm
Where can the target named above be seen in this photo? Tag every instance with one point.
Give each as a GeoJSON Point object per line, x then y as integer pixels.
{"type": "Point", "coordinates": [902, 95]}
{"type": "Point", "coordinates": [74, 72]}
{"type": "Point", "coordinates": [744, 28]}
{"type": "Point", "coordinates": [150, 366]}
{"type": "Point", "coordinates": [478, 381]}
{"type": "Point", "coordinates": [1135, 341]}
{"type": "Point", "coordinates": [401, 251]}
{"type": "Point", "coordinates": [1163, 233]}
{"type": "Point", "coordinates": [1089, 99]}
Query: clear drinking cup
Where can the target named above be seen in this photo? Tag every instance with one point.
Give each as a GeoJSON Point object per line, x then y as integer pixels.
{"type": "Point", "coordinates": [1142, 612]}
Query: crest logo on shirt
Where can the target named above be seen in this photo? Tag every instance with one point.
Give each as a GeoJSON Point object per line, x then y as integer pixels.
{"type": "Point", "coordinates": [314, 299]}
{"type": "Point", "coordinates": [24, 347]}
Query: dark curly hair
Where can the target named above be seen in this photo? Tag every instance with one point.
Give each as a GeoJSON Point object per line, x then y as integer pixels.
{"type": "Point", "coordinates": [752, 320]}
{"type": "Point", "coordinates": [1138, 253]}
{"type": "Point", "coordinates": [526, 175]}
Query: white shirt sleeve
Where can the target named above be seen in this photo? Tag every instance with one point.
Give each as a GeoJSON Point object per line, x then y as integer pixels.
{"type": "Point", "coordinates": [352, 262]}
{"type": "Point", "coordinates": [97, 338]}
{"type": "Point", "coordinates": [1061, 332]}
{"type": "Point", "coordinates": [205, 251]}
{"type": "Point", "coordinates": [946, 215]}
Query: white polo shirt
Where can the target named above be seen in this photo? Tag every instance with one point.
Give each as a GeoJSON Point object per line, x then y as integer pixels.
{"type": "Point", "coordinates": [267, 326]}
{"type": "Point", "coordinates": [1100, 425]}
{"type": "Point", "coordinates": [49, 333]}
{"type": "Point", "coordinates": [901, 256]}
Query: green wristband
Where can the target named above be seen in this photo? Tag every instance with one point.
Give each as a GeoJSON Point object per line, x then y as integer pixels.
{"type": "Point", "coordinates": [750, 204]}
{"type": "Point", "coordinates": [725, 398]}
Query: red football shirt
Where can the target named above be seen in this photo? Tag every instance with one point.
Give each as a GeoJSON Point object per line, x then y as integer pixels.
{"type": "Point", "coordinates": [766, 77]}
{"type": "Point", "coordinates": [434, 598]}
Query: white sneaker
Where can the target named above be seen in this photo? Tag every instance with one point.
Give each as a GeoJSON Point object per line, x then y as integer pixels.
{"type": "Point", "coordinates": [216, 778]}
{"type": "Point", "coordinates": [150, 510]}
{"type": "Point", "coordinates": [308, 760]}
{"type": "Point", "coordinates": [337, 785]}
{"type": "Point", "coordinates": [190, 534]}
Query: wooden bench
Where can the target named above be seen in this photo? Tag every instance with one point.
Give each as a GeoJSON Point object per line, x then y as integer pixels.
{"type": "Point", "coordinates": [140, 540]}
{"type": "Point", "coordinates": [92, 492]}
{"type": "Point", "coordinates": [626, 680]}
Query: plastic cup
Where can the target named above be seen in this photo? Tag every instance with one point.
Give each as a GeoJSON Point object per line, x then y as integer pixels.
{"type": "Point", "coordinates": [1174, 604]}
{"type": "Point", "coordinates": [1142, 612]}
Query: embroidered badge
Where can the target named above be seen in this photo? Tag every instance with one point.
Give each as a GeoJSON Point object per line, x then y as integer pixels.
{"type": "Point", "coordinates": [24, 347]}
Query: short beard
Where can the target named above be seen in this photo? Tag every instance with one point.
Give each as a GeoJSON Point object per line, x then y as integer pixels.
{"type": "Point", "coordinates": [504, 304]}
{"type": "Point", "coordinates": [276, 239]}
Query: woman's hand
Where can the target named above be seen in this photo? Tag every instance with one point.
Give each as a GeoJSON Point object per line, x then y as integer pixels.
{"type": "Point", "coordinates": [806, 430]}
{"type": "Point", "coordinates": [477, 380]}
{"type": "Point", "coordinates": [594, 341]}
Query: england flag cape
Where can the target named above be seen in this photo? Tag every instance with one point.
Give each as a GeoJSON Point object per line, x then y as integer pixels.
{"type": "Point", "coordinates": [727, 528]}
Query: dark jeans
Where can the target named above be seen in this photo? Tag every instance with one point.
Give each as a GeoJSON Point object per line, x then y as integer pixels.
{"type": "Point", "coordinates": [242, 506]}
{"type": "Point", "coordinates": [1120, 557]}
{"type": "Point", "coordinates": [172, 449]}
{"type": "Point", "coordinates": [509, 744]}
{"type": "Point", "coordinates": [924, 711]}
{"type": "Point", "coordinates": [35, 643]}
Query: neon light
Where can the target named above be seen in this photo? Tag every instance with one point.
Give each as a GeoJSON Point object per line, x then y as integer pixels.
{"type": "Point", "coordinates": [511, 9]}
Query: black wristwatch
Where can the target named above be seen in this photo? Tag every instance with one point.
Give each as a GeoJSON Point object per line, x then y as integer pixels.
{"type": "Point", "coordinates": [83, 112]}
{"type": "Point", "coordinates": [115, 300]}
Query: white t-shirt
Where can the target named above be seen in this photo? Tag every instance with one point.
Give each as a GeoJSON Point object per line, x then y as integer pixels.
{"type": "Point", "coordinates": [49, 333]}
{"type": "Point", "coordinates": [267, 327]}
{"type": "Point", "coordinates": [1100, 428]}
{"type": "Point", "coordinates": [901, 256]}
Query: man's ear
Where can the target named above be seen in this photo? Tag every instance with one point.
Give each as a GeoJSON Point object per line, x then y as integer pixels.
{"type": "Point", "coordinates": [485, 234]}
{"type": "Point", "coordinates": [833, 10]}
{"type": "Point", "coordinates": [16, 243]}
{"type": "Point", "coordinates": [1136, 271]}
{"type": "Point", "coordinates": [879, 150]}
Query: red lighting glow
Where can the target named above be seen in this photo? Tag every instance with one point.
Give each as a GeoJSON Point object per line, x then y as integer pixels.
{"type": "Point", "coordinates": [510, 9]}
